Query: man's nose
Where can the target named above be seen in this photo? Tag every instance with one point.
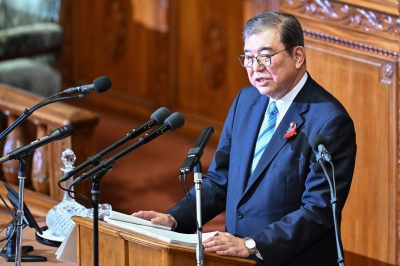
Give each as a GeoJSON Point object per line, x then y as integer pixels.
{"type": "Point", "coordinates": [258, 66]}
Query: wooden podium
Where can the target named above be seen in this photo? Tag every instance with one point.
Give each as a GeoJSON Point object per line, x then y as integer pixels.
{"type": "Point", "coordinates": [122, 247]}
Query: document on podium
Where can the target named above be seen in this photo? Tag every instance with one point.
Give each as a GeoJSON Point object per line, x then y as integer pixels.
{"type": "Point", "coordinates": [117, 216]}
{"type": "Point", "coordinates": [163, 235]}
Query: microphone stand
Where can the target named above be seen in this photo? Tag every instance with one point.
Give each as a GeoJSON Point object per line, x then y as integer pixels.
{"type": "Point", "coordinates": [100, 171]}
{"type": "Point", "coordinates": [198, 178]}
{"type": "Point", "coordinates": [27, 112]}
{"type": "Point", "coordinates": [193, 162]}
{"type": "Point", "coordinates": [95, 197]}
{"type": "Point", "coordinates": [333, 202]}
{"type": "Point", "coordinates": [20, 211]}
{"type": "Point", "coordinates": [22, 167]}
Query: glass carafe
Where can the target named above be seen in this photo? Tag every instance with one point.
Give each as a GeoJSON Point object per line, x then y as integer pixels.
{"type": "Point", "coordinates": [58, 218]}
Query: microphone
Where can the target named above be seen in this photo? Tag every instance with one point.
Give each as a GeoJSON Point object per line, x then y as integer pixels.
{"type": "Point", "coordinates": [174, 121]}
{"type": "Point", "coordinates": [196, 152]}
{"type": "Point", "coordinates": [318, 143]}
{"type": "Point", "coordinates": [100, 85]}
{"type": "Point", "coordinates": [156, 119]}
{"type": "Point", "coordinates": [58, 134]}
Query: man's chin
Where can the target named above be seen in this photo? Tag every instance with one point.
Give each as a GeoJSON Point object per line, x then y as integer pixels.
{"type": "Point", "coordinates": [264, 91]}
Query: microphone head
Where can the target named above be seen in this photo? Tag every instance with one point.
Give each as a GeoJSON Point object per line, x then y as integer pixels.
{"type": "Point", "coordinates": [102, 84]}
{"type": "Point", "coordinates": [160, 115]}
{"type": "Point", "coordinates": [62, 132]}
{"type": "Point", "coordinates": [67, 130]}
{"type": "Point", "coordinates": [175, 121]}
{"type": "Point", "coordinates": [316, 140]}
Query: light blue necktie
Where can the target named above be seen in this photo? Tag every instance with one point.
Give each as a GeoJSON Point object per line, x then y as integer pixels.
{"type": "Point", "coordinates": [266, 132]}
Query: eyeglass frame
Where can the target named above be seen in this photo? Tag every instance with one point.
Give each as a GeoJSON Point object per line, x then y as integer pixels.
{"type": "Point", "coordinates": [265, 56]}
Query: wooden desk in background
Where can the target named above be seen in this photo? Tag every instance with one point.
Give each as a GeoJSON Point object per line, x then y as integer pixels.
{"type": "Point", "coordinates": [29, 239]}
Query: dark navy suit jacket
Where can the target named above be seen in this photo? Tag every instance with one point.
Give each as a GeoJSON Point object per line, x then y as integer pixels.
{"type": "Point", "coordinates": [286, 205]}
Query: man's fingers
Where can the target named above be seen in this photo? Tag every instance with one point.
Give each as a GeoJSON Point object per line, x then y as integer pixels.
{"type": "Point", "coordinates": [148, 215]}
{"type": "Point", "coordinates": [156, 217]}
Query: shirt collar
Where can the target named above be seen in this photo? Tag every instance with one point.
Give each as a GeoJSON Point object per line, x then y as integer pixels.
{"type": "Point", "coordinates": [284, 103]}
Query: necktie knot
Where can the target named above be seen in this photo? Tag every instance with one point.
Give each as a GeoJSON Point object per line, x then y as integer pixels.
{"type": "Point", "coordinates": [272, 109]}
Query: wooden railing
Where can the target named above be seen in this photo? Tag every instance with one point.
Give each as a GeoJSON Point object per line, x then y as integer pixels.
{"type": "Point", "coordinates": [44, 164]}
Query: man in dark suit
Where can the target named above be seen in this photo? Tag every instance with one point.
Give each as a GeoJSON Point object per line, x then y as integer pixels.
{"type": "Point", "coordinates": [278, 210]}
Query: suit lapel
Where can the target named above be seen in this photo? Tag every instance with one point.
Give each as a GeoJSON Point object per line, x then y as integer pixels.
{"type": "Point", "coordinates": [250, 136]}
{"type": "Point", "coordinates": [277, 141]}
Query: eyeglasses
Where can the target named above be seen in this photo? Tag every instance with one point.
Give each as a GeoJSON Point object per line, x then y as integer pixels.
{"type": "Point", "coordinates": [262, 59]}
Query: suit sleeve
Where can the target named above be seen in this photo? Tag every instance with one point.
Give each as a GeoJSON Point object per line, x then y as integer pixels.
{"type": "Point", "coordinates": [213, 186]}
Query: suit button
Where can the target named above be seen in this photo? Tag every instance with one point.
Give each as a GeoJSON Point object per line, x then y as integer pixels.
{"type": "Point", "coordinates": [239, 215]}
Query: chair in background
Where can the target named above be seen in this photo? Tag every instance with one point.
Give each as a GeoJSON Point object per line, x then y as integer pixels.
{"type": "Point", "coordinates": [30, 45]}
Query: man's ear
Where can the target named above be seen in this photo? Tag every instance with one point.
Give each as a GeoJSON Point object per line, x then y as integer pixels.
{"type": "Point", "coordinates": [299, 56]}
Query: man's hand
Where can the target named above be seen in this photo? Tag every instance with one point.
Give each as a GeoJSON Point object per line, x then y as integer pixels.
{"type": "Point", "coordinates": [156, 218]}
{"type": "Point", "coordinates": [226, 244]}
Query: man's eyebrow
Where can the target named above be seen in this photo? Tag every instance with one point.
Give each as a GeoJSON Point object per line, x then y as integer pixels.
{"type": "Point", "coordinates": [265, 48]}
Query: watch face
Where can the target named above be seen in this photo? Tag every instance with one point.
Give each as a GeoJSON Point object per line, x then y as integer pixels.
{"type": "Point", "coordinates": [250, 243]}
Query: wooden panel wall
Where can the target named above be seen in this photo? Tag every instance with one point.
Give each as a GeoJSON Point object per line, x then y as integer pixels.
{"type": "Point", "coordinates": [209, 73]}
{"type": "Point", "coordinates": [371, 99]}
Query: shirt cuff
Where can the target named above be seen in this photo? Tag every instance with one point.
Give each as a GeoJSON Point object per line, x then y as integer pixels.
{"type": "Point", "coordinates": [259, 255]}
{"type": "Point", "coordinates": [175, 226]}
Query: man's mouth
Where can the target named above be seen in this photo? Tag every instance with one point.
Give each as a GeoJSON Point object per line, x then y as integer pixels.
{"type": "Point", "coordinates": [261, 80]}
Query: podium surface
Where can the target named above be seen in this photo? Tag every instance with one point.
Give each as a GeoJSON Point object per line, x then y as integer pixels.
{"type": "Point", "coordinates": [118, 246]}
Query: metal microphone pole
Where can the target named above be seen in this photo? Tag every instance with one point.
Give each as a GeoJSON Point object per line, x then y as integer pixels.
{"type": "Point", "coordinates": [193, 162]}
{"type": "Point", "coordinates": [95, 200]}
{"type": "Point", "coordinates": [20, 211]}
{"type": "Point", "coordinates": [198, 179]}
{"type": "Point", "coordinates": [333, 202]}
{"type": "Point", "coordinates": [95, 197]}
{"type": "Point", "coordinates": [95, 203]}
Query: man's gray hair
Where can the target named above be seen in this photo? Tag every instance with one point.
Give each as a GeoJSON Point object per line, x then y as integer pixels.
{"type": "Point", "coordinates": [290, 31]}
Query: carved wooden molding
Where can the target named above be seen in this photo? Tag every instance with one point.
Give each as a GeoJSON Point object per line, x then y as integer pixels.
{"type": "Point", "coordinates": [351, 44]}
{"type": "Point", "coordinates": [346, 15]}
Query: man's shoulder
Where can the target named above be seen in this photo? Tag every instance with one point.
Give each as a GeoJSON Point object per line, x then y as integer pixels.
{"type": "Point", "coordinates": [321, 96]}
{"type": "Point", "coordinates": [250, 92]}
{"type": "Point", "coordinates": [249, 89]}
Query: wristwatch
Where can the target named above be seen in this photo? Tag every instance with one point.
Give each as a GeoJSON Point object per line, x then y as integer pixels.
{"type": "Point", "coordinates": [250, 245]}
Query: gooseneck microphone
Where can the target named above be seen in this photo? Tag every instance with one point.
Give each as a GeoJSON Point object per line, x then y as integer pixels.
{"type": "Point", "coordinates": [58, 134]}
{"type": "Point", "coordinates": [174, 121]}
{"type": "Point", "coordinates": [318, 143]}
{"type": "Point", "coordinates": [191, 162]}
{"type": "Point", "coordinates": [196, 152]}
{"type": "Point", "coordinates": [100, 85]}
{"type": "Point", "coordinates": [156, 119]}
